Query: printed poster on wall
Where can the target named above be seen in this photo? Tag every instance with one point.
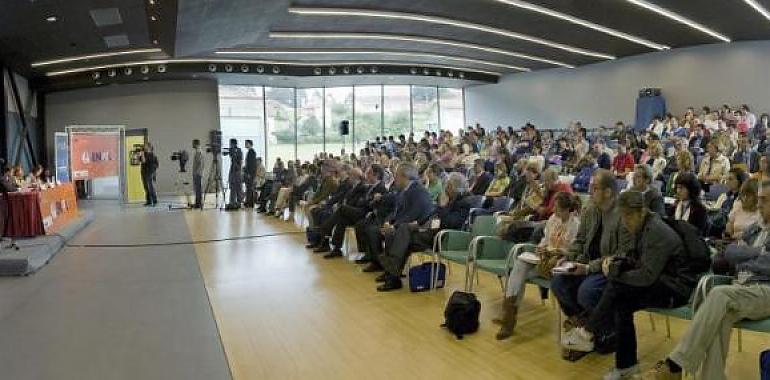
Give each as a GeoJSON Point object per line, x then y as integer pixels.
{"type": "Point", "coordinates": [62, 156]}
{"type": "Point", "coordinates": [94, 155]}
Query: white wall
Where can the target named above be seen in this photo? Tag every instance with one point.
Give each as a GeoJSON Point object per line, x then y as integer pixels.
{"type": "Point", "coordinates": [603, 93]}
{"type": "Point", "coordinates": [174, 112]}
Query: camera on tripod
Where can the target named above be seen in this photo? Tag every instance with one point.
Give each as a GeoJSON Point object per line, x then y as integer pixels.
{"type": "Point", "coordinates": [182, 157]}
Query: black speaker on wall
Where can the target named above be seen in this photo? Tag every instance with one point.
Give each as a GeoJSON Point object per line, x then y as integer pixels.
{"type": "Point", "coordinates": [344, 128]}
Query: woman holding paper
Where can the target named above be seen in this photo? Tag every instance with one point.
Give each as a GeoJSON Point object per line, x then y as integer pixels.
{"type": "Point", "coordinates": [560, 230]}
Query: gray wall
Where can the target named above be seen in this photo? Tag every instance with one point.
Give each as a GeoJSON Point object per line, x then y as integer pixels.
{"type": "Point", "coordinates": [174, 112]}
{"type": "Point", "coordinates": [603, 93]}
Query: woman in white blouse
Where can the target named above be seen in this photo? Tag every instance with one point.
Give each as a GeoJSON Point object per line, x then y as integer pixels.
{"type": "Point", "coordinates": [745, 211]}
{"type": "Point", "coordinates": [560, 230]}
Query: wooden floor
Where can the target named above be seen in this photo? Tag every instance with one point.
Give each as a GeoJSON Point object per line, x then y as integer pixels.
{"type": "Point", "coordinates": [285, 313]}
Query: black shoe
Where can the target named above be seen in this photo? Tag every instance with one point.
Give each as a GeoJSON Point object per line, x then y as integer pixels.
{"type": "Point", "coordinates": [148, 204]}
{"type": "Point", "coordinates": [312, 246]}
{"type": "Point", "coordinates": [373, 267]}
{"type": "Point", "coordinates": [334, 253]}
{"type": "Point", "coordinates": [382, 278]}
{"type": "Point", "coordinates": [323, 247]}
{"type": "Point", "coordinates": [390, 284]}
{"type": "Point", "coordinates": [363, 261]}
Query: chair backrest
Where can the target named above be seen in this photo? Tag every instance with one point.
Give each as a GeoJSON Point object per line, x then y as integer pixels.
{"type": "Point", "coordinates": [501, 204]}
{"type": "Point", "coordinates": [484, 225]}
{"type": "Point", "coordinates": [476, 201]}
{"type": "Point", "coordinates": [658, 185]}
{"type": "Point", "coordinates": [715, 190]}
{"type": "Point", "coordinates": [622, 183]}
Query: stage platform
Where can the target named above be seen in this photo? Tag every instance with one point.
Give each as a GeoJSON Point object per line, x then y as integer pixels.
{"type": "Point", "coordinates": [35, 253]}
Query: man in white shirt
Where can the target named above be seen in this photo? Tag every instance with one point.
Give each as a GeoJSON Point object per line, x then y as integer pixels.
{"type": "Point", "coordinates": [714, 167]}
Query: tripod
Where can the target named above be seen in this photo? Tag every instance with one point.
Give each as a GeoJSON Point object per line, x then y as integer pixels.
{"type": "Point", "coordinates": [215, 176]}
{"type": "Point", "coordinates": [182, 187]}
{"type": "Point", "coordinates": [6, 223]}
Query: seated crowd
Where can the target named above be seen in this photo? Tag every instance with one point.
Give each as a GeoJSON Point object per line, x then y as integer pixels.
{"type": "Point", "coordinates": [612, 215]}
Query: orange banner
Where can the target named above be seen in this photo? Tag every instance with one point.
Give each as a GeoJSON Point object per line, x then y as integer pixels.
{"type": "Point", "coordinates": [94, 155]}
{"type": "Point", "coordinates": [58, 207]}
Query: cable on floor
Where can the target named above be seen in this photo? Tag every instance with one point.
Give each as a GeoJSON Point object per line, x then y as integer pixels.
{"type": "Point", "coordinates": [192, 242]}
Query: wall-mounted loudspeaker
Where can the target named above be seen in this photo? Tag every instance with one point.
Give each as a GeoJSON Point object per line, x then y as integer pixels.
{"type": "Point", "coordinates": [344, 128]}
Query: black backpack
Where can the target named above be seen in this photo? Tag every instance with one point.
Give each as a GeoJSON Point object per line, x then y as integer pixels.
{"type": "Point", "coordinates": [697, 254]}
{"type": "Point", "coordinates": [462, 314]}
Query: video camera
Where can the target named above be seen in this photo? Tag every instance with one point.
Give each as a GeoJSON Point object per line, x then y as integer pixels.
{"type": "Point", "coordinates": [182, 157]}
{"type": "Point", "coordinates": [136, 155]}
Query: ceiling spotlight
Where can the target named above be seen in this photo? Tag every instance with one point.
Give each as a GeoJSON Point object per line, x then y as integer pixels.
{"type": "Point", "coordinates": [96, 75]}
{"type": "Point", "coordinates": [212, 68]}
{"type": "Point", "coordinates": [128, 71]}
{"type": "Point", "coordinates": [332, 71]}
{"type": "Point", "coordinates": [426, 71]}
{"type": "Point", "coordinates": [111, 73]}
{"type": "Point", "coordinates": [152, 2]}
{"type": "Point", "coordinates": [260, 69]}
{"type": "Point", "coordinates": [461, 75]}
{"type": "Point", "coordinates": [317, 71]}
{"type": "Point", "coordinates": [244, 68]}
{"type": "Point", "coordinates": [229, 68]}
{"type": "Point", "coordinates": [154, 42]}
{"type": "Point", "coordinates": [52, 19]}
{"type": "Point", "coordinates": [360, 70]}
{"type": "Point", "coordinates": [346, 70]}
{"type": "Point", "coordinates": [450, 74]}
{"type": "Point", "coordinates": [413, 70]}
{"type": "Point", "coordinates": [153, 18]}
{"type": "Point", "coordinates": [373, 69]}
{"type": "Point", "coordinates": [438, 73]}
{"type": "Point", "coordinates": [145, 69]}
{"type": "Point", "coordinates": [161, 68]}
{"type": "Point", "coordinates": [276, 69]}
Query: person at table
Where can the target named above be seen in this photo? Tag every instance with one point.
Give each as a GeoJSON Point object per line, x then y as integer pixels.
{"type": "Point", "coordinates": [149, 165]}
{"type": "Point", "coordinates": [714, 167]}
{"type": "Point", "coordinates": [34, 177]}
{"type": "Point", "coordinates": [7, 182]}
{"type": "Point", "coordinates": [703, 348]}
{"type": "Point", "coordinates": [688, 205]}
{"type": "Point", "coordinates": [18, 176]}
{"type": "Point", "coordinates": [642, 182]}
{"type": "Point", "coordinates": [623, 163]}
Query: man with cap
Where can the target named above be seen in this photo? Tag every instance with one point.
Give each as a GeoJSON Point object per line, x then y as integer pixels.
{"type": "Point", "coordinates": [645, 276]}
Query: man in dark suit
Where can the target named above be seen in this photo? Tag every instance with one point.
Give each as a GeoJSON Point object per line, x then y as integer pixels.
{"type": "Point", "coordinates": [353, 208]}
{"type": "Point", "coordinates": [452, 211]}
{"type": "Point", "coordinates": [413, 204]}
{"type": "Point", "coordinates": [324, 209]}
{"type": "Point", "coordinates": [382, 206]}
{"type": "Point", "coordinates": [745, 155]}
{"type": "Point", "coordinates": [249, 173]}
{"type": "Point", "coordinates": [481, 178]}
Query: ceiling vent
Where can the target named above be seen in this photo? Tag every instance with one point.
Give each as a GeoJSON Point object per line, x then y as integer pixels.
{"type": "Point", "coordinates": [106, 17]}
{"type": "Point", "coordinates": [116, 41]}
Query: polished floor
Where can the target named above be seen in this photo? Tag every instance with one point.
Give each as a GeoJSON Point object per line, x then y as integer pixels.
{"type": "Point", "coordinates": [120, 304]}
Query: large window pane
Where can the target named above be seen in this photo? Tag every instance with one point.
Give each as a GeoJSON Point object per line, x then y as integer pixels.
{"type": "Point", "coordinates": [241, 116]}
{"type": "Point", "coordinates": [368, 117]}
{"type": "Point", "coordinates": [451, 108]}
{"type": "Point", "coordinates": [425, 109]}
{"type": "Point", "coordinates": [310, 114]}
{"type": "Point", "coordinates": [281, 134]}
{"type": "Point", "coordinates": [396, 105]}
{"type": "Point", "coordinates": [339, 107]}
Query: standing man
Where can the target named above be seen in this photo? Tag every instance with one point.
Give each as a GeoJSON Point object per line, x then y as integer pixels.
{"type": "Point", "coordinates": [149, 165]}
{"type": "Point", "coordinates": [235, 179]}
{"type": "Point", "coordinates": [197, 173]}
{"type": "Point", "coordinates": [250, 173]}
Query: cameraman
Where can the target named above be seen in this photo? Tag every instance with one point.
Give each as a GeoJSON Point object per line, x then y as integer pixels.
{"type": "Point", "coordinates": [235, 178]}
{"type": "Point", "coordinates": [197, 173]}
{"type": "Point", "coordinates": [250, 173]}
{"type": "Point", "coordinates": [149, 165]}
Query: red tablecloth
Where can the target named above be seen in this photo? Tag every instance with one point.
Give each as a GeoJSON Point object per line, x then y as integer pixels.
{"type": "Point", "coordinates": [24, 218]}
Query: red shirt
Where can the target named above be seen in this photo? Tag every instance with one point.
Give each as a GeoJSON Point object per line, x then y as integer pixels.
{"type": "Point", "coordinates": [623, 163]}
{"type": "Point", "coordinates": [546, 209]}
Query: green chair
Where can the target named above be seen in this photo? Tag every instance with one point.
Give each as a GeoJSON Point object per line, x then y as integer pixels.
{"type": "Point", "coordinates": [457, 246]}
{"type": "Point", "coordinates": [491, 255]}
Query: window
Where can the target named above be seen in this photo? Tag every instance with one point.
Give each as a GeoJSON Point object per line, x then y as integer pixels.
{"type": "Point", "coordinates": [425, 109]}
{"type": "Point", "coordinates": [339, 107]}
{"type": "Point", "coordinates": [310, 117]}
{"type": "Point", "coordinates": [241, 116]}
{"type": "Point", "coordinates": [396, 105]}
{"type": "Point", "coordinates": [451, 109]}
{"type": "Point", "coordinates": [368, 118]}
{"type": "Point", "coordinates": [281, 132]}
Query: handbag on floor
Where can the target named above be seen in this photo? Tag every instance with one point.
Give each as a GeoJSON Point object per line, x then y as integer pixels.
{"type": "Point", "coordinates": [462, 314]}
{"type": "Point", "coordinates": [764, 365]}
{"type": "Point", "coordinates": [420, 276]}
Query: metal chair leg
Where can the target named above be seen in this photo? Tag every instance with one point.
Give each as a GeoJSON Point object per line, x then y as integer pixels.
{"type": "Point", "coordinates": [652, 322]}
{"type": "Point", "coordinates": [740, 340]}
{"type": "Point", "coordinates": [668, 327]}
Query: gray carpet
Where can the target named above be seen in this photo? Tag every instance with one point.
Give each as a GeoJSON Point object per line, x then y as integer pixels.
{"type": "Point", "coordinates": [113, 313]}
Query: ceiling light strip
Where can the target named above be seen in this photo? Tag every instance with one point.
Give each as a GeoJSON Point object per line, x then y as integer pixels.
{"type": "Point", "coordinates": [444, 21]}
{"type": "Point", "coordinates": [679, 18]}
{"type": "Point", "coordinates": [370, 52]}
{"type": "Point", "coordinates": [409, 38]}
{"type": "Point", "coordinates": [584, 23]}
{"type": "Point", "coordinates": [95, 56]}
{"type": "Point", "coordinates": [262, 62]}
{"type": "Point", "coordinates": [758, 7]}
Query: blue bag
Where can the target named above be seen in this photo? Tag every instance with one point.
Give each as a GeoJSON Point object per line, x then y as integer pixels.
{"type": "Point", "coordinates": [764, 365]}
{"type": "Point", "coordinates": [420, 276]}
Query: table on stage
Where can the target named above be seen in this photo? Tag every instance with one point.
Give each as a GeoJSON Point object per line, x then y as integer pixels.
{"type": "Point", "coordinates": [35, 213]}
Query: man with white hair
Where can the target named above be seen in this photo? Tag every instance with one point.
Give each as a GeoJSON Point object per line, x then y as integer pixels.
{"type": "Point", "coordinates": [454, 205]}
